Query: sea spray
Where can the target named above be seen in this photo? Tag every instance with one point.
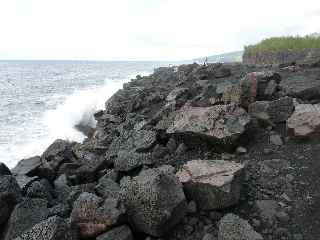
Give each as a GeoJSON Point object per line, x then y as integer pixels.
{"type": "Point", "coordinates": [59, 123]}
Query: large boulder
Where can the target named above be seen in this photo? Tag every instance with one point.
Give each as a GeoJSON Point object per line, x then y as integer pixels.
{"type": "Point", "coordinates": [212, 184]}
{"type": "Point", "coordinates": [92, 215]}
{"type": "Point", "coordinates": [118, 233]}
{"type": "Point", "coordinates": [221, 124]}
{"type": "Point", "coordinates": [54, 228]}
{"type": "Point", "coordinates": [10, 195]}
{"type": "Point", "coordinates": [24, 216]}
{"type": "Point", "coordinates": [27, 166]}
{"type": "Point", "coordinates": [232, 227]}
{"type": "Point", "coordinates": [130, 149]}
{"type": "Point", "coordinates": [255, 86]}
{"type": "Point", "coordinates": [305, 121]}
{"type": "Point", "coordinates": [4, 170]}
{"type": "Point", "coordinates": [59, 152]}
{"type": "Point", "coordinates": [276, 111]}
{"type": "Point", "coordinates": [155, 200]}
{"type": "Point", "coordinates": [26, 170]}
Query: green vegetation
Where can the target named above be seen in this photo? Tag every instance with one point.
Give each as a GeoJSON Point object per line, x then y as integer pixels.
{"type": "Point", "coordinates": [276, 44]}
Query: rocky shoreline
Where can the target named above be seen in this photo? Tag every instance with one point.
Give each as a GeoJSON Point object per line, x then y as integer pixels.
{"type": "Point", "coordinates": [217, 152]}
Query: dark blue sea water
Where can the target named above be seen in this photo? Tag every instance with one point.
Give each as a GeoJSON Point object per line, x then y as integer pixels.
{"type": "Point", "coordinates": [41, 101]}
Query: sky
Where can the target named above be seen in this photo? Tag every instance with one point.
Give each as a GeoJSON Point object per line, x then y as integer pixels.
{"type": "Point", "coordinates": [146, 29]}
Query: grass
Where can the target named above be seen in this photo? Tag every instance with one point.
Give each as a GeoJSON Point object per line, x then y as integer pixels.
{"type": "Point", "coordinates": [277, 44]}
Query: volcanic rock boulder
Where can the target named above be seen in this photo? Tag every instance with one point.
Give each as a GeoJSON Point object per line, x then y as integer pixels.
{"type": "Point", "coordinates": [54, 228]}
{"type": "Point", "coordinates": [131, 149]}
{"type": "Point", "coordinates": [276, 111]}
{"type": "Point", "coordinates": [305, 121]}
{"type": "Point", "coordinates": [59, 152]}
{"type": "Point", "coordinates": [10, 195]}
{"type": "Point", "coordinates": [26, 170]}
{"type": "Point", "coordinates": [221, 124]}
{"type": "Point", "coordinates": [118, 233]}
{"type": "Point", "coordinates": [155, 200]}
{"type": "Point", "coordinates": [232, 227]}
{"type": "Point", "coordinates": [27, 166]}
{"type": "Point", "coordinates": [254, 86]}
{"type": "Point", "coordinates": [4, 170]}
{"type": "Point", "coordinates": [92, 215]}
{"type": "Point", "coordinates": [24, 216]}
{"type": "Point", "coordinates": [212, 184]}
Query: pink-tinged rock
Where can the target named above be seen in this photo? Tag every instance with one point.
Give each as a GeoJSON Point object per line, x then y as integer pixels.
{"type": "Point", "coordinates": [92, 215]}
{"type": "Point", "coordinates": [305, 121]}
{"type": "Point", "coordinates": [212, 184]}
{"type": "Point", "coordinates": [255, 86]}
{"type": "Point", "coordinates": [222, 123]}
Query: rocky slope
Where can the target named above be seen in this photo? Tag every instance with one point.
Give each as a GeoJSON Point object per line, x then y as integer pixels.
{"type": "Point", "coordinates": [217, 152]}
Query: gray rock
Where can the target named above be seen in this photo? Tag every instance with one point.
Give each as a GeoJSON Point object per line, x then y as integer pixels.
{"type": "Point", "coordinates": [222, 124]}
{"type": "Point", "coordinates": [129, 160]}
{"type": "Point", "coordinates": [62, 188]}
{"type": "Point", "coordinates": [283, 217]}
{"type": "Point", "coordinates": [10, 195]}
{"type": "Point", "coordinates": [61, 210]}
{"type": "Point", "coordinates": [212, 184]}
{"type": "Point", "coordinates": [118, 233]}
{"type": "Point", "coordinates": [92, 215]}
{"type": "Point", "coordinates": [54, 228]}
{"type": "Point", "coordinates": [232, 227]}
{"type": "Point", "coordinates": [107, 188]}
{"type": "Point", "coordinates": [76, 191]}
{"type": "Point", "coordinates": [305, 121]}
{"type": "Point", "coordinates": [4, 170]}
{"type": "Point", "coordinates": [241, 150]}
{"type": "Point", "coordinates": [24, 181]}
{"type": "Point", "coordinates": [27, 166]}
{"type": "Point", "coordinates": [275, 139]}
{"type": "Point", "coordinates": [192, 207]}
{"type": "Point", "coordinates": [276, 111]}
{"type": "Point", "coordinates": [24, 216]}
{"type": "Point", "coordinates": [59, 152]}
{"type": "Point", "coordinates": [144, 140]}
{"type": "Point", "coordinates": [40, 189]}
{"type": "Point", "coordinates": [155, 200]}
{"type": "Point", "coordinates": [255, 86]}
{"type": "Point", "coordinates": [267, 210]}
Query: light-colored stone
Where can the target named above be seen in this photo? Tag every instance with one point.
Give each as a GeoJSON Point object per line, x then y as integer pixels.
{"type": "Point", "coordinates": [305, 121]}
{"type": "Point", "coordinates": [222, 123]}
{"type": "Point", "coordinates": [212, 184]}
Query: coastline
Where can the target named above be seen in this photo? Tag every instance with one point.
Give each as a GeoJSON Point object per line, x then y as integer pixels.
{"type": "Point", "coordinates": [163, 153]}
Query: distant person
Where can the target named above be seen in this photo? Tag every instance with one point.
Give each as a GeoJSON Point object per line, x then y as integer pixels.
{"type": "Point", "coordinates": [205, 63]}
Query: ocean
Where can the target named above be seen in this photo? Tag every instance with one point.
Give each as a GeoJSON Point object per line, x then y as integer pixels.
{"type": "Point", "coordinates": [41, 101]}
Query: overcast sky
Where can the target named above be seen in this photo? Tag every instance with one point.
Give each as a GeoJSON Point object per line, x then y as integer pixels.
{"type": "Point", "coordinates": [145, 29]}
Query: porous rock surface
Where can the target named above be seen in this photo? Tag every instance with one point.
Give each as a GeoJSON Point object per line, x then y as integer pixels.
{"type": "Point", "coordinates": [179, 155]}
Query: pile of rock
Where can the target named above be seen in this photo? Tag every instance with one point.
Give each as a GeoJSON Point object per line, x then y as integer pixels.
{"type": "Point", "coordinates": [163, 161]}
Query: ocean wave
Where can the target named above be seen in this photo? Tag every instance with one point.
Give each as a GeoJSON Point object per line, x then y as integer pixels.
{"type": "Point", "coordinates": [60, 122]}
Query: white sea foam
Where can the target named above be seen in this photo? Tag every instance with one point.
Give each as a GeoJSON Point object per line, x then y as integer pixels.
{"type": "Point", "coordinates": [59, 122]}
